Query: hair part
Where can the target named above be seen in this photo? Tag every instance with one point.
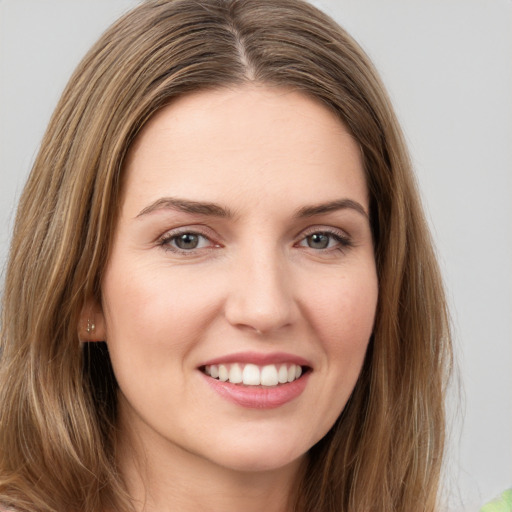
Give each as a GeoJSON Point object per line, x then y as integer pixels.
{"type": "Point", "coordinates": [58, 398]}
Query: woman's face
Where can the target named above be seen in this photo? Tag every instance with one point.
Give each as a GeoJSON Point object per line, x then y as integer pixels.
{"type": "Point", "coordinates": [243, 252]}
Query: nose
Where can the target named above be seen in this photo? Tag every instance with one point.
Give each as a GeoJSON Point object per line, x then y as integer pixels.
{"type": "Point", "coordinates": [261, 297]}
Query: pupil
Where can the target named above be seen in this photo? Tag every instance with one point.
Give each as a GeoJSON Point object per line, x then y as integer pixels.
{"type": "Point", "coordinates": [318, 241]}
{"type": "Point", "coordinates": [187, 241]}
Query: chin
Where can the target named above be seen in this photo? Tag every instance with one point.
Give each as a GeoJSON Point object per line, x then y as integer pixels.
{"type": "Point", "coordinates": [259, 457]}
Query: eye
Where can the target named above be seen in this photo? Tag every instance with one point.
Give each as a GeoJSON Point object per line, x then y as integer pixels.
{"type": "Point", "coordinates": [325, 240]}
{"type": "Point", "coordinates": [318, 240]}
{"type": "Point", "coordinates": [186, 241]}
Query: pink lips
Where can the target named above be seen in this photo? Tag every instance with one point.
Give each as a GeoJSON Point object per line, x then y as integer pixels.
{"type": "Point", "coordinates": [259, 397]}
{"type": "Point", "coordinates": [259, 359]}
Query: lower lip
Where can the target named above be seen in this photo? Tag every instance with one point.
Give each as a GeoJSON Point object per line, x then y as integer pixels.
{"type": "Point", "coordinates": [259, 397]}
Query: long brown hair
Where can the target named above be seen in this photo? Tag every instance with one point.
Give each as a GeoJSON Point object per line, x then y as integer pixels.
{"type": "Point", "coordinates": [58, 398]}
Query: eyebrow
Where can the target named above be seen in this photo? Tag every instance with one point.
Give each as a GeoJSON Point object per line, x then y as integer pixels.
{"type": "Point", "coordinates": [331, 206]}
{"type": "Point", "coordinates": [187, 206]}
{"type": "Point", "coordinates": [215, 210]}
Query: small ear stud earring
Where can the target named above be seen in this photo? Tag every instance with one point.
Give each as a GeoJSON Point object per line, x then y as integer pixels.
{"type": "Point", "coordinates": [90, 326]}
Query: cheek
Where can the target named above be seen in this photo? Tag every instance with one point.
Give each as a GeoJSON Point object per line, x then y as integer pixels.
{"type": "Point", "coordinates": [152, 325]}
{"type": "Point", "coordinates": [342, 314]}
{"type": "Point", "coordinates": [154, 309]}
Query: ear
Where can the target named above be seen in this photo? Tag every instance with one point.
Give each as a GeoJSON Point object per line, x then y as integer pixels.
{"type": "Point", "coordinates": [91, 326]}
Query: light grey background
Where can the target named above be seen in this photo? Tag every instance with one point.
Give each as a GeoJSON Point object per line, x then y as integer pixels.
{"type": "Point", "coordinates": [448, 67]}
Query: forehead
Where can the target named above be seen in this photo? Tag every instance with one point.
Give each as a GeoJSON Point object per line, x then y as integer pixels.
{"type": "Point", "coordinates": [251, 139]}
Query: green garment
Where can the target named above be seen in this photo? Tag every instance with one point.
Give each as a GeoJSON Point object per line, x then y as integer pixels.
{"type": "Point", "coordinates": [501, 504]}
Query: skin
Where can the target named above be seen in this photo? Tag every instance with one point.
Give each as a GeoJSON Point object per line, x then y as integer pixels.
{"type": "Point", "coordinates": [256, 282]}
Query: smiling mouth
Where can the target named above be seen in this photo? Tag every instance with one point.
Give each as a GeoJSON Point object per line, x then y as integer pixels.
{"type": "Point", "coordinates": [269, 375]}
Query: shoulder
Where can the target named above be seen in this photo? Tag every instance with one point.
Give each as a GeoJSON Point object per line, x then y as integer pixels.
{"type": "Point", "coordinates": [501, 504]}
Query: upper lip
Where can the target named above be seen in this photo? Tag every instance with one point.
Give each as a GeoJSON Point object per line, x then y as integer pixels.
{"type": "Point", "coordinates": [258, 359]}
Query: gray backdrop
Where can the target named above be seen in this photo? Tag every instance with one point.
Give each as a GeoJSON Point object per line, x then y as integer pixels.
{"type": "Point", "coordinates": [448, 67]}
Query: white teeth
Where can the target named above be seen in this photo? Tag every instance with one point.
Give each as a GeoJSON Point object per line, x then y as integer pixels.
{"type": "Point", "coordinates": [223, 373]}
{"type": "Point", "coordinates": [253, 375]}
{"type": "Point", "coordinates": [282, 375]}
{"type": "Point", "coordinates": [235, 374]}
{"type": "Point", "coordinates": [269, 375]}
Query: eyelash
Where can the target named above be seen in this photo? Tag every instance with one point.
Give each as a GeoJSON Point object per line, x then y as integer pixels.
{"type": "Point", "coordinates": [166, 240]}
{"type": "Point", "coordinates": [342, 240]}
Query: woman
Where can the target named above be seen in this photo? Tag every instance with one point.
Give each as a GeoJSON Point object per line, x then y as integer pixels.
{"type": "Point", "coordinates": [222, 293]}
